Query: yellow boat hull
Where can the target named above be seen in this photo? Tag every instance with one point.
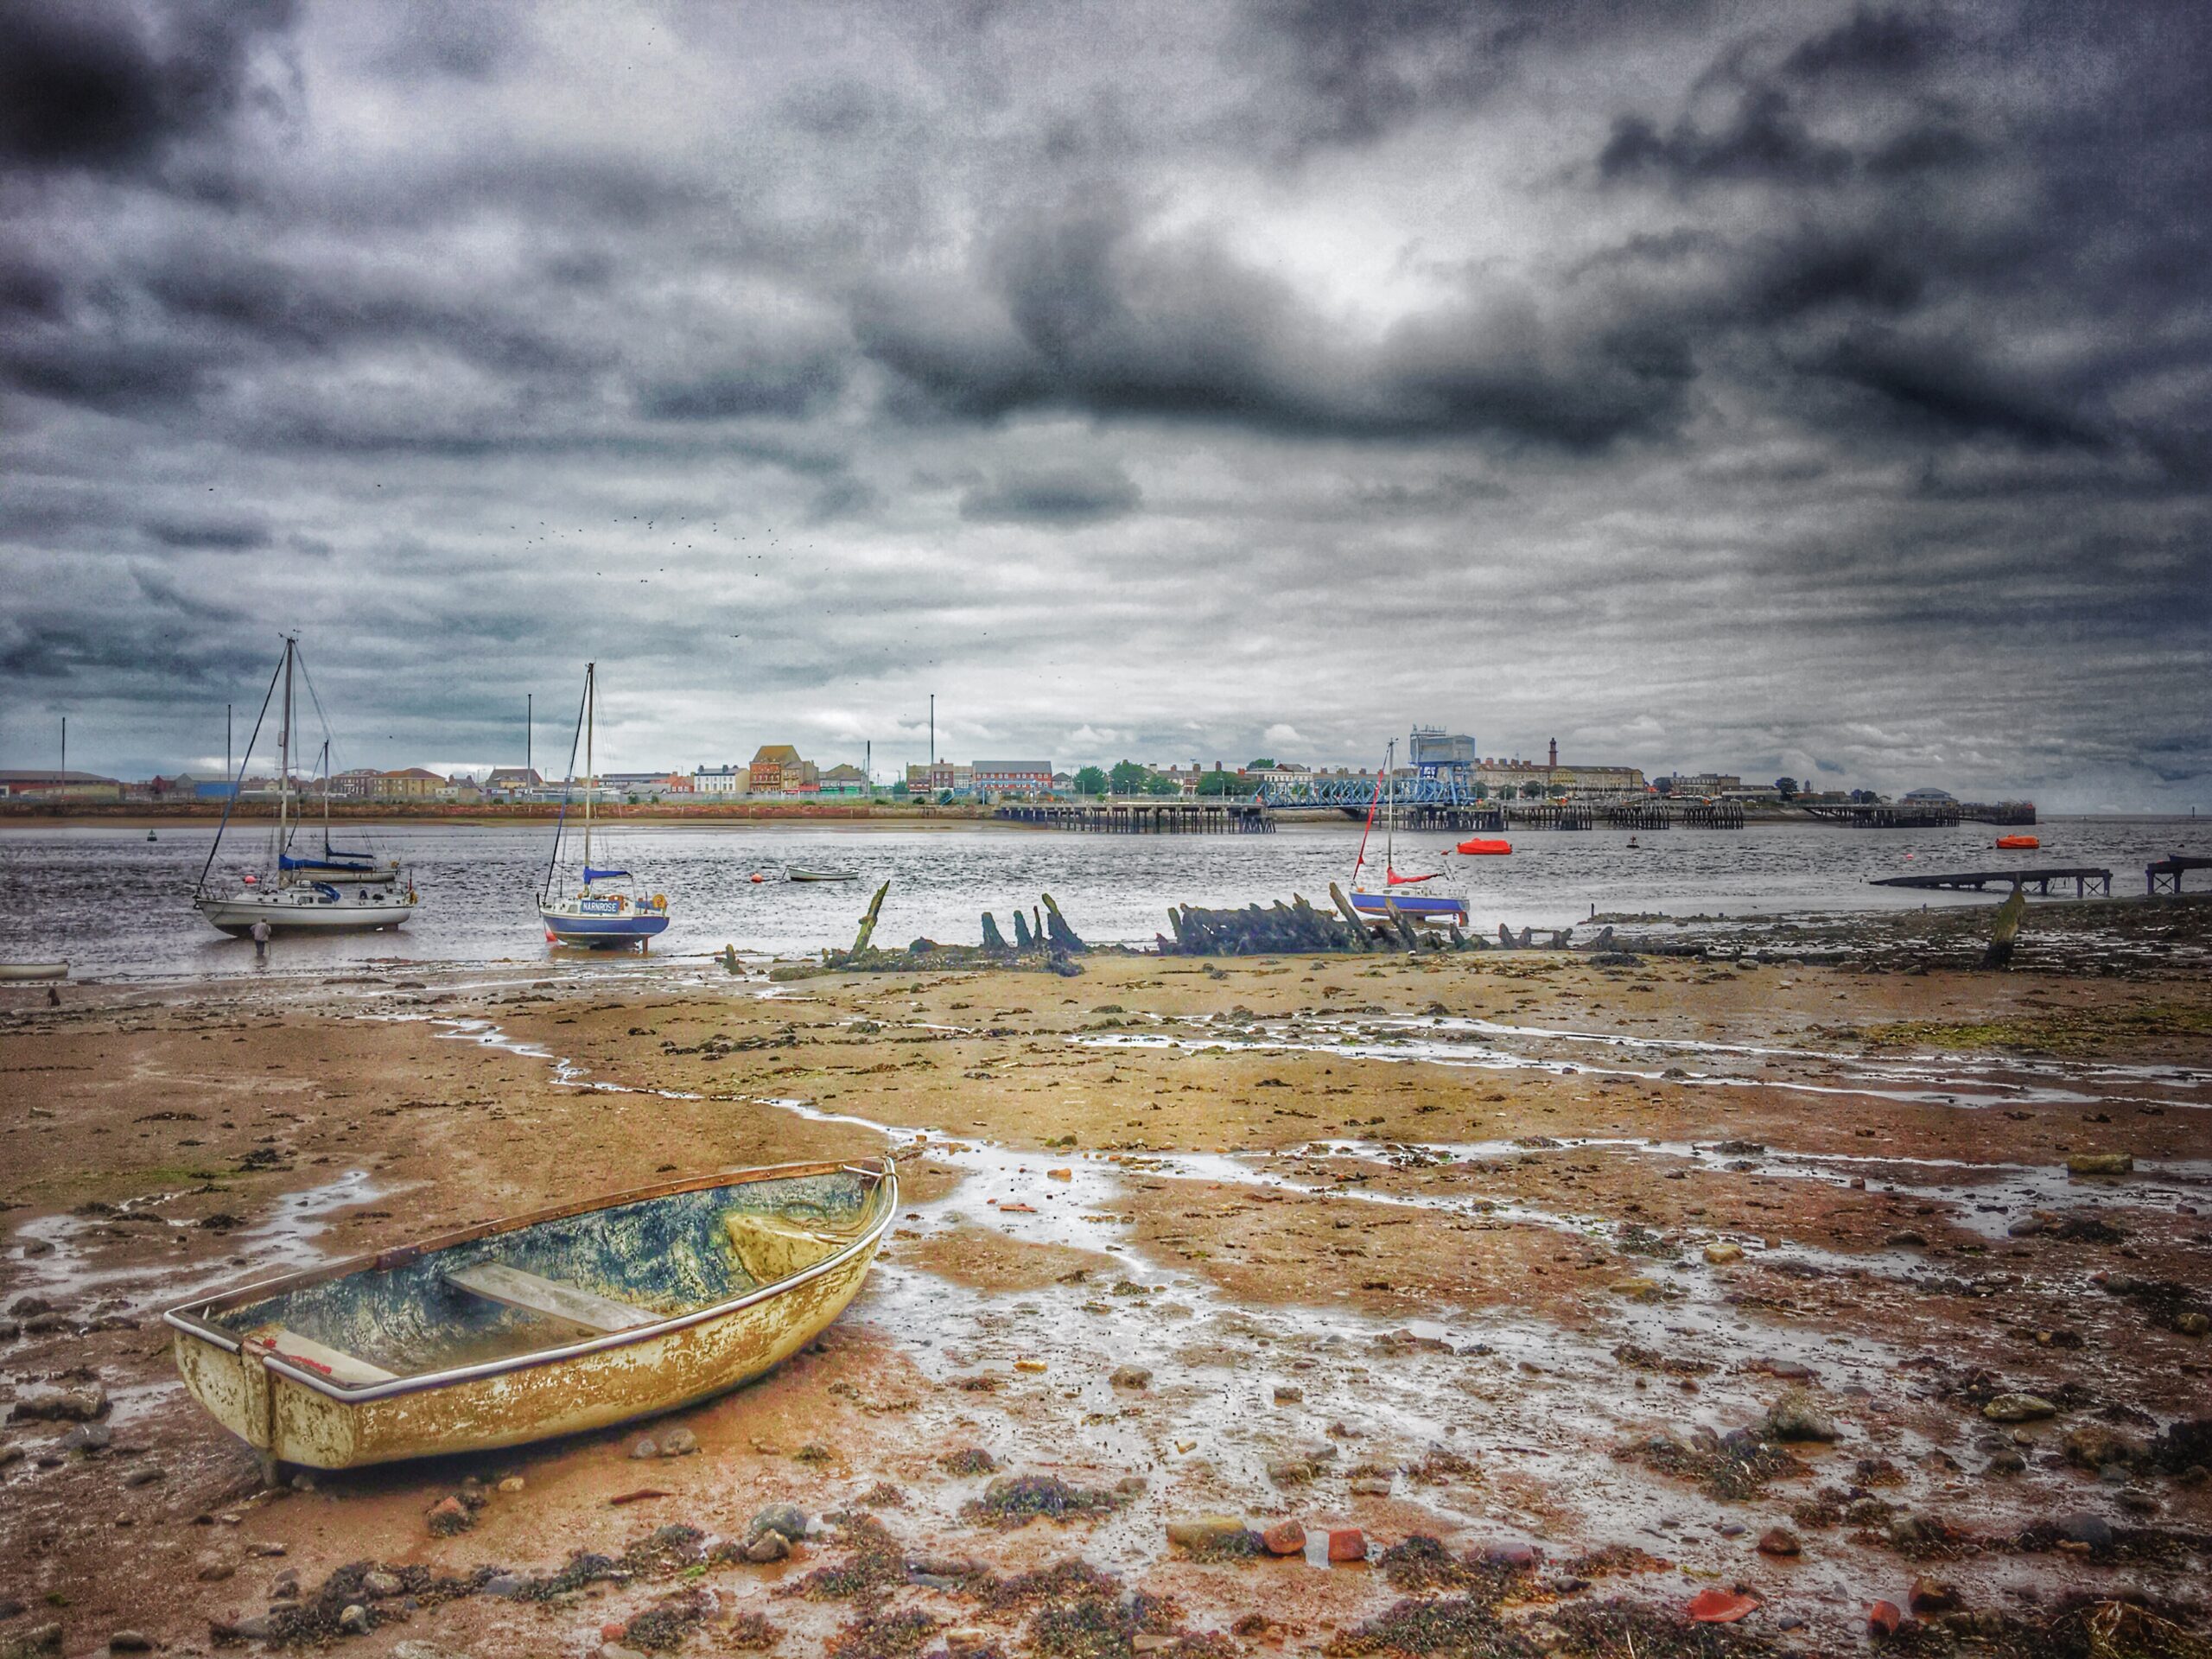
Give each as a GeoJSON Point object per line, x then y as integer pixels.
{"type": "Point", "coordinates": [278, 1405]}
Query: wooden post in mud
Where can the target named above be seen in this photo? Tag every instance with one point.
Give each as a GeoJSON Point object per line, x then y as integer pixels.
{"type": "Point", "coordinates": [868, 922]}
{"type": "Point", "coordinates": [1999, 953]}
{"type": "Point", "coordinates": [1062, 935]}
{"type": "Point", "coordinates": [1344, 907]}
{"type": "Point", "coordinates": [1022, 939]}
{"type": "Point", "coordinates": [1398, 920]}
{"type": "Point", "coordinates": [992, 939]}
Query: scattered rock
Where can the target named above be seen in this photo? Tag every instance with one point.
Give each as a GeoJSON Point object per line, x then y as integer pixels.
{"type": "Point", "coordinates": [1883, 1617]}
{"type": "Point", "coordinates": [645, 1446]}
{"type": "Point", "coordinates": [767, 1547]}
{"type": "Point", "coordinates": [1288, 1394]}
{"type": "Point", "coordinates": [2093, 1446]}
{"type": "Point", "coordinates": [1779, 1541]}
{"type": "Point", "coordinates": [1371, 1487]}
{"type": "Point", "coordinates": [2192, 1324]}
{"type": "Point", "coordinates": [40, 1638]}
{"type": "Point", "coordinates": [1347, 1544]}
{"type": "Point", "coordinates": [216, 1572]}
{"type": "Point", "coordinates": [1285, 1538]}
{"type": "Point", "coordinates": [144, 1475]}
{"type": "Point", "coordinates": [449, 1516]}
{"type": "Point", "coordinates": [355, 1620]}
{"type": "Point", "coordinates": [1719, 1606]}
{"type": "Point", "coordinates": [787, 1519]}
{"type": "Point", "coordinates": [48, 1402]}
{"type": "Point", "coordinates": [1932, 1596]}
{"type": "Point", "coordinates": [678, 1443]}
{"type": "Point", "coordinates": [1201, 1531]}
{"type": "Point", "coordinates": [1131, 1376]}
{"type": "Point", "coordinates": [378, 1583]}
{"type": "Point", "coordinates": [2018, 1408]}
{"type": "Point", "coordinates": [1722, 1253]}
{"type": "Point", "coordinates": [86, 1437]}
{"type": "Point", "coordinates": [130, 1641]}
{"type": "Point", "coordinates": [1795, 1417]}
{"type": "Point", "coordinates": [2100, 1163]}
{"type": "Point", "coordinates": [507, 1586]}
{"type": "Point", "coordinates": [2082, 1527]}
{"type": "Point", "coordinates": [512, 1483]}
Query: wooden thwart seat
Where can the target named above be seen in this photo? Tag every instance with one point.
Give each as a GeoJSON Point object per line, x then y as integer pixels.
{"type": "Point", "coordinates": [513, 1288]}
{"type": "Point", "coordinates": [339, 1367]}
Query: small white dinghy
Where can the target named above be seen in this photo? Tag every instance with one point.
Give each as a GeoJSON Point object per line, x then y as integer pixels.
{"type": "Point", "coordinates": [825, 875]}
{"type": "Point", "coordinates": [31, 970]}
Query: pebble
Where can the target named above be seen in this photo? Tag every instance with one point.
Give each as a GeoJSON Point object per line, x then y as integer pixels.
{"type": "Point", "coordinates": [1721, 1253]}
{"type": "Point", "coordinates": [449, 1516]}
{"type": "Point", "coordinates": [678, 1443]}
{"type": "Point", "coordinates": [1285, 1538]}
{"type": "Point", "coordinates": [144, 1475]}
{"type": "Point", "coordinates": [1779, 1541]}
{"type": "Point", "coordinates": [507, 1586]}
{"type": "Point", "coordinates": [1347, 1544]}
{"type": "Point", "coordinates": [216, 1572]}
{"type": "Point", "coordinates": [1131, 1376]}
{"type": "Point", "coordinates": [1795, 1417]}
{"type": "Point", "coordinates": [511, 1484]}
{"type": "Point", "coordinates": [40, 1638]}
{"type": "Point", "coordinates": [355, 1620]}
{"type": "Point", "coordinates": [86, 1437]}
{"type": "Point", "coordinates": [2018, 1408]}
{"type": "Point", "coordinates": [1288, 1394]}
{"type": "Point", "coordinates": [130, 1641]}
{"type": "Point", "coordinates": [765, 1547]}
{"type": "Point", "coordinates": [1932, 1596]}
{"type": "Point", "coordinates": [646, 1446]}
{"type": "Point", "coordinates": [412, 1648]}
{"type": "Point", "coordinates": [1203, 1529]}
{"type": "Point", "coordinates": [380, 1583]}
{"type": "Point", "coordinates": [1883, 1617]}
{"type": "Point", "coordinates": [2193, 1325]}
{"type": "Point", "coordinates": [1371, 1487]}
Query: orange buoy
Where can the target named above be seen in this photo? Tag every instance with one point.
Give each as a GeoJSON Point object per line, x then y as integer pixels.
{"type": "Point", "coordinates": [1478, 845]}
{"type": "Point", "coordinates": [757, 876]}
{"type": "Point", "coordinates": [2018, 843]}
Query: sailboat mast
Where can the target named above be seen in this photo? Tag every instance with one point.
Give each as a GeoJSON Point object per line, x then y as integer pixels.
{"type": "Point", "coordinates": [591, 774]}
{"type": "Point", "coordinates": [284, 762]}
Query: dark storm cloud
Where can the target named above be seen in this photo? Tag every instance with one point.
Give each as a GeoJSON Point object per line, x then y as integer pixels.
{"type": "Point", "coordinates": [112, 84]}
{"type": "Point", "coordinates": [797, 363]}
{"type": "Point", "coordinates": [1053, 495]}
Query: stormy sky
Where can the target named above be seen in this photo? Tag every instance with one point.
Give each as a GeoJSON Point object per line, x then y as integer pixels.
{"type": "Point", "coordinates": [1816, 388]}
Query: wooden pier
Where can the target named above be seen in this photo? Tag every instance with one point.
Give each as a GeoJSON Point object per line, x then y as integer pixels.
{"type": "Point", "coordinates": [2165, 876]}
{"type": "Point", "coordinates": [1925, 815]}
{"type": "Point", "coordinates": [1144, 818]}
{"type": "Point", "coordinates": [1975, 881]}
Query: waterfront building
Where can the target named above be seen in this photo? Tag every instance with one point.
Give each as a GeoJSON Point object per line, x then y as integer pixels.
{"type": "Point", "coordinates": [845, 781]}
{"type": "Point", "coordinates": [778, 770]}
{"type": "Point", "coordinates": [407, 783]}
{"type": "Point", "coordinates": [728, 781]}
{"type": "Point", "coordinates": [59, 786]}
{"type": "Point", "coordinates": [511, 780]}
{"type": "Point", "coordinates": [992, 778]}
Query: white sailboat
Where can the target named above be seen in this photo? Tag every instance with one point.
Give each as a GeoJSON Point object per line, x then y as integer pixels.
{"type": "Point", "coordinates": [290, 897]}
{"type": "Point", "coordinates": [586, 916]}
{"type": "Point", "coordinates": [1431, 907]}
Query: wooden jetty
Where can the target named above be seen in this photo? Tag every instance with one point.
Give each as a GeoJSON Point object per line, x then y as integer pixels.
{"type": "Point", "coordinates": [2081, 875]}
{"type": "Point", "coordinates": [1923, 815]}
{"type": "Point", "coordinates": [1214, 818]}
{"type": "Point", "coordinates": [2165, 876]}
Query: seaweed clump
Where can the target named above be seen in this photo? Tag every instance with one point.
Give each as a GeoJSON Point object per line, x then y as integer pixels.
{"type": "Point", "coordinates": [1420, 1563]}
{"type": "Point", "coordinates": [1016, 1500]}
{"type": "Point", "coordinates": [968, 1460]}
{"type": "Point", "coordinates": [658, 1629]}
{"type": "Point", "coordinates": [874, 1564]}
{"type": "Point", "coordinates": [1736, 1465]}
{"type": "Point", "coordinates": [1101, 1627]}
{"type": "Point", "coordinates": [890, 1636]}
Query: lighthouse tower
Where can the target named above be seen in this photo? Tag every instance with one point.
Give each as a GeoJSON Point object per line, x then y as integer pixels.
{"type": "Point", "coordinates": [1554, 755]}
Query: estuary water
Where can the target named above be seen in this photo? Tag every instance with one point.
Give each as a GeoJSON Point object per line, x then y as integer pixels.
{"type": "Point", "coordinates": [118, 905]}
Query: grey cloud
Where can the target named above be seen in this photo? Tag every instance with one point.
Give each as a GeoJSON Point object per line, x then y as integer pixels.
{"type": "Point", "coordinates": [217, 535]}
{"type": "Point", "coordinates": [1082, 494]}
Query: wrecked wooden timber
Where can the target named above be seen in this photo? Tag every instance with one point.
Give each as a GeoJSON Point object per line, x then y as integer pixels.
{"type": "Point", "coordinates": [1045, 941]}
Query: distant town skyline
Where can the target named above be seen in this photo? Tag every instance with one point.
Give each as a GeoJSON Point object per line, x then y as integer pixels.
{"type": "Point", "coordinates": [1820, 388]}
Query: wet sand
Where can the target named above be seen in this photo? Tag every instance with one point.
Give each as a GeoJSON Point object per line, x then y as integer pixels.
{"type": "Point", "coordinates": [1487, 1249]}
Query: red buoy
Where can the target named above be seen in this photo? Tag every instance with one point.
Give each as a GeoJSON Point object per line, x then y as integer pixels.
{"type": "Point", "coordinates": [1478, 845]}
{"type": "Point", "coordinates": [757, 876]}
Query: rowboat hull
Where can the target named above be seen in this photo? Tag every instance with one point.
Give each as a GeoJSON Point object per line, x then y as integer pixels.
{"type": "Point", "coordinates": [31, 970]}
{"type": "Point", "coordinates": [1436, 909]}
{"type": "Point", "coordinates": [279, 1404]}
{"type": "Point", "coordinates": [825, 875]}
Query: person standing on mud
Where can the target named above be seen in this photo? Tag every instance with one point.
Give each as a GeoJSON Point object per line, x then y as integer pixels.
{"type": "Point", "coordinates": [261, 941]}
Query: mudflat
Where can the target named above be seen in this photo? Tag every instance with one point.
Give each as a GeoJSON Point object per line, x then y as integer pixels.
{"type": "Point", "coordinates": [1578, 1291]}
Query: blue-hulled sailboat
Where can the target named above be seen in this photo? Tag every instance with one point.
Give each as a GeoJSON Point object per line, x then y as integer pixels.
{"type": "Point", "coordinates": [600, 920]}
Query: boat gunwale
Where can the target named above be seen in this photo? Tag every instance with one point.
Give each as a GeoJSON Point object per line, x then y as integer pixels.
{"type": "Point", "coordinates": [182, 1316]}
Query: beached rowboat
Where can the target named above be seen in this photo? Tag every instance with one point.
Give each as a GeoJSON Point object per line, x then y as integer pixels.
{"type": "Point", "coordinates": [825, 875]}
{"type": "Point", "coordinates": [34, 970]}
{"type": "Point", "coordinates": [547, 1324]}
